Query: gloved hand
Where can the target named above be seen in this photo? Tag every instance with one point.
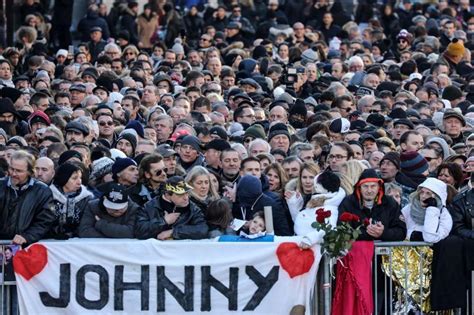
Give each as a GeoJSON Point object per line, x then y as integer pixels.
{"type": "Point", "coordinates": [431, 202]}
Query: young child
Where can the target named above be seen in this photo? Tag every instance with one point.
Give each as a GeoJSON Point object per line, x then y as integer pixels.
{"type": "Point", "coordinates": [255, 227]}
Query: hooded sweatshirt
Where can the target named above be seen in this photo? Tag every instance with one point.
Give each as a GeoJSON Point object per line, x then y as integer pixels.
{"type": "Point", "coordinates": [251, 199]}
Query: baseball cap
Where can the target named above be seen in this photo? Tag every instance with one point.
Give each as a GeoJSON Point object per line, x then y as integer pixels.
{"type": "Point", "coordinates": [116, 197]}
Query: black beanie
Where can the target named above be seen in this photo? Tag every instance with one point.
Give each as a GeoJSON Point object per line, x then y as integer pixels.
{"type": "Point", "coordinates": [130, 138]}
{"type": "Point", "coordinates": [299, 108]}
{"type": "Point", "coordinates": [64, 172]}
{"type": "Point", "coordinates": [330, 181]}
{"type": "Point", "coordinates": [69, 154]}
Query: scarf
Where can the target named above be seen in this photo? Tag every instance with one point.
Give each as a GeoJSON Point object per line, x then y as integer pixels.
{"type": "Point", "coordinates": [417, 212]}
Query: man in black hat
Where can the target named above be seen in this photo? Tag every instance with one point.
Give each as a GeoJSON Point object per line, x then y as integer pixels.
{"type": "Point", "coordinates": [10, 119]}
{"type": "Point", "coordinates": [213, 154]}
{"type": "Point", "coordinates": [453, 122]}
{"type": "Point", "coordinates": [172, 215]}
{"type": "Point", "coordinates": [112, 216]}
{"type": "Point", "coordinates": [76, 132]}
{"type": "Point", "coordinates": [78, 93]}
{"type": "Point", "coordinates": [190, 153]}
{"type": "Point", "coordinates": [400, 126]}
{"type": "Point", "coordinates": [170, 159]}
{"type": "Point", "coordinates": [96, 44]}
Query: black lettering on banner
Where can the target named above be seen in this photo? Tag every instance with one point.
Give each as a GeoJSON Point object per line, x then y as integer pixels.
{"type": "Point", "coordinates": [103, 287]}
{"type": "Point", "coordinates": [263, 283]}
{"type": "Point", "coordinates": [208, 281]}
{"type": "Point", "coordinates": [185, 299]}
{"type": "Point", "coordinates": [143, 286]}
{"type": "Point", "coordinates": [64, 289]}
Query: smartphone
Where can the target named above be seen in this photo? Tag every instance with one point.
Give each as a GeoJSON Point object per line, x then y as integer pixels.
{"type": "Point", "coordinates": [71, 49]}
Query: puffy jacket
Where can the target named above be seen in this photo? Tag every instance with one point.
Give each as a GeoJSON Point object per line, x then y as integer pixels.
{"type": "Point", "coordinates": [191, 224]}
{"type": "Point", "coordinates": [68, 212]}
{"type": "Point", "coordinates": [27, 213]}
{"type": "Point", "coordinates": [108, 226]}
{"type": "Point", "coordinates": [303, 219]}
{"type": "Point", "coordinates": [462, 211]}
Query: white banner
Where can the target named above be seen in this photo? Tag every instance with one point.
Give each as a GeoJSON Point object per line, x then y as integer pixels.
{"type": "Point", "coordinates": [172, 277]}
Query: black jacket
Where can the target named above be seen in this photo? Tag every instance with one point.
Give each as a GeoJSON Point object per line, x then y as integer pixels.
{"type": "Point", "coordinates": [191, 224]}
{"type": "Point", "coordinates": [91, 20]}
{"type": "Point", "coordinates": [68, 211]}
{"type": "Point", "coordinates": [280, 221]}
{"type": "Point", "coordinates": [27, 213]}
{"type": "Point", "coordinates": [141, 194]}
{"type": "Point", "coordinates": [108, 226]}
{"type": "Point", "coordinates": [388, 213]}
{"type": "Point", "coordinates": [462, 211]}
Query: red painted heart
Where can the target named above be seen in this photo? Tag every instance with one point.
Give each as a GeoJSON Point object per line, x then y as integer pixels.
{"type": "Point", "coordinates": [294, 260]}
{"type": "Point", "coordinates": [31, 261]}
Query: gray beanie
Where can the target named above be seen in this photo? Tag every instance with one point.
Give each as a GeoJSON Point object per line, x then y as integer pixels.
{"type": "Point", "coordinates": [442, 143]}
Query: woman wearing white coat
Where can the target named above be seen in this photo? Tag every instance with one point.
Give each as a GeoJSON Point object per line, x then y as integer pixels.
{"type": "Point", "coordinates": [426, 216]}
{"type": "Point", "coordinates": [328, 194]}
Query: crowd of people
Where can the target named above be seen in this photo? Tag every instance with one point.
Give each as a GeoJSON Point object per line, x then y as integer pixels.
{"type": "Point", "coordinates": [176, 120]}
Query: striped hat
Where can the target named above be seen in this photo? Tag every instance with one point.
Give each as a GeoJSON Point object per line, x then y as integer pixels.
{"type": "Point", "coordinates": [413, 163]}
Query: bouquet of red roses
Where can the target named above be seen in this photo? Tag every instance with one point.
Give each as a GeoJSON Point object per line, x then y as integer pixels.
{"type": "Point", "coordinates": [337, 240]}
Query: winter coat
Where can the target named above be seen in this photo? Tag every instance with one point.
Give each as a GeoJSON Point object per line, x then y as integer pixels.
{"type": "Point", "coordinates": [462, 211]}
{"type": "Point", "coordinates": [147, 27]}
{"type": "Point", "coordinates": [68, 211]}
{"type": "Point", "coordinates": [251, 199]}
{"type": "Point", "coordinates": [27, 212]}
{"type": "Point", "coordinates": [91, 20]}
{"type": "Point", "coordinates": [438, 222]}
{"type": "Point", "coordinates": [304, 219]}
{"type": "Point", "coordinates": [219, 24]}
{"type": "Point", "coordinates": [128, 23]}
{"type": "Point", "coordinates": [108, 226]}
{"type": "Point", "coordinates": [140, 194]}
{"type": "Point", "coordinates": [96, 48]}
{"type": "Point", "coordinates": [388, 213]}
{"type": "Point", "coordinates": [191, 224]}
{"type": "Point", "coordinates": [174, 25]}
{"type": "Point", "coordinates": [193, 26]}
{"type": "Point", "coordinates": [199, 161]}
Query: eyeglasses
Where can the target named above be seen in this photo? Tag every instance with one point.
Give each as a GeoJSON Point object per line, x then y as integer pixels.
{"type": "Point", "coordinates": [109, 123]}
{"type": "Point", "coordinates": [248, 139]}
{"type": "Point", "coordinates": [347, 109]}
{"type": "Point", "coordinates": [337, 157]}
{"type": "Point", "coordinates": [159, 172]}
{"type": "Point", "coordinates": [130, 53]}
{"type": "Point", "coordinates": [205, 39]}
{"type": "Point", "coordinates": [429, 159]}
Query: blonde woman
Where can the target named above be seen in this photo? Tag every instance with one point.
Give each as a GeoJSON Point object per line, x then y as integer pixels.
{"type": "Point", "coordinates": [298, 199]}
{"type": "Point", "coordinates": [203, 192]}
{"type": "Point", "coordinates": [352, 169]}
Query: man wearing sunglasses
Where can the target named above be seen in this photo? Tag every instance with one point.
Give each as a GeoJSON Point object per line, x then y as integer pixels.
{"type": "Point", "coordinates": [151, 175]}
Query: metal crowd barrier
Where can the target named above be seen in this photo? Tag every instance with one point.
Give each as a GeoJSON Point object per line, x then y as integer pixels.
{"type": "Point", "coordinates": [400, 275]}
{"type": "Point", "coordinates": [8, 295]}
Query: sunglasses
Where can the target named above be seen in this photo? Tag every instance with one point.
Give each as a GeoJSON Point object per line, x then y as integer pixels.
{"type": "Point", "coordinates": [429, 159]}
{"type": "Point", "coordinates": [159, 172]}
{"type": "Point", "coordinates": [109, 123]}
{"type": "Point", "coordinates": [248, 140]}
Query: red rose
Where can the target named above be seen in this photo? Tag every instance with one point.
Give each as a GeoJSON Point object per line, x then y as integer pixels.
{"type": "Point", "coordinates": [346, 217]}
{"type": "Point", "coordinates": [366, 222]}
{"type": "Point", "coordinates": [320, 210]}
{"type": "Point", "coordinates": [320, 218]}
{"type": "Point", "coordinates": [355, 218]}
